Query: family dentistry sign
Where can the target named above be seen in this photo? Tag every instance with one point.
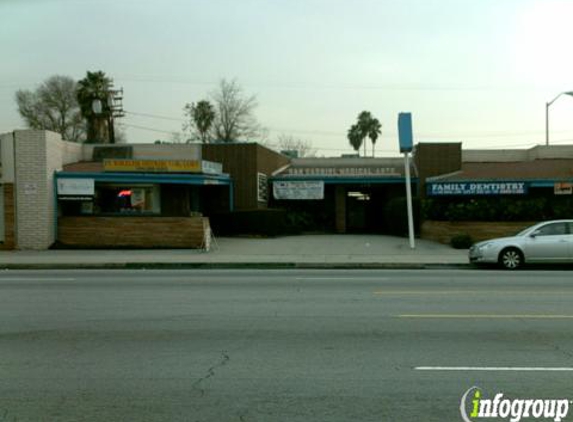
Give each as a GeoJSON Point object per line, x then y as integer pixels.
{"type": "Point", "coordinates": [476, 188]}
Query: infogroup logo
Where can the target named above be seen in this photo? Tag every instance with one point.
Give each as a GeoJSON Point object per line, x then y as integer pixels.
{"type": "Point", "coordinates": [474, 407]}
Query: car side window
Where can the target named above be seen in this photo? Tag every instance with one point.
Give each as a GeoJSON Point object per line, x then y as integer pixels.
{"type": "Point", "coordinates": [553, 229]}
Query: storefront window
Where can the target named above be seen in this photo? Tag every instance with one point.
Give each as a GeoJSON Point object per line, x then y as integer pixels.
{"type": "Point", "coordinates": [126, 199]}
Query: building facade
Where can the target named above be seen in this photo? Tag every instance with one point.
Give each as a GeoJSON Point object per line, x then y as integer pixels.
{"type": "Point", "coordinates": [54, 192]}
{"type": "Point", "coordinates": [135, 195]}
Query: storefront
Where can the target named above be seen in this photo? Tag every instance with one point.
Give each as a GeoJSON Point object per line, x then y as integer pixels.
{"type": "Point", "coordinates": [538, 177]}
{"type": "Point", "coordinates": [341, 194]}
{"type": "Point", "coordinates": [139, 203]}
{"type": "Point", "coordinates": [497, 193]}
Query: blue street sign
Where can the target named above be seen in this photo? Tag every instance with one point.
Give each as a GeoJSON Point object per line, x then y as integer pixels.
{"type": "Point", "coordinates": [405, 132]}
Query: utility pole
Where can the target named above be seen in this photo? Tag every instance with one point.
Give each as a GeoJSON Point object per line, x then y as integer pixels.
{"type": "Point", "coordinates": [115, 110]}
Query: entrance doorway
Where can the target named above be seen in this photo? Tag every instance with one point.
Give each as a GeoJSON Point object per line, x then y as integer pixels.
{"type": "Point", "coordinates": [358, 203]}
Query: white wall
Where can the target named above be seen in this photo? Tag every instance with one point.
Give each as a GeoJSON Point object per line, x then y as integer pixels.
{"type": "Point", "coordinates": [38, 155]}
{"type": "Point", "coordinates": [7, 158]}
{"type": "Point", "coordinates": [167, 152]}
{"type": "Point", "coordinates": [151, 151]}
{"type": "Point", "coordinates": [31, 190]}
{"type": "Point", "coordinates": [72, 152]}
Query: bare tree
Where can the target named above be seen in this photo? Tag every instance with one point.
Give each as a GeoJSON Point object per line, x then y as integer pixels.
{"type": "Point", "coordinates": [176, 138]}
{"type": "Point", "coordinates": [302, 147]}
{"type": "Point", "coordinates": [53, 106]}
{"type": "Point", "coordinates": [234, 114]}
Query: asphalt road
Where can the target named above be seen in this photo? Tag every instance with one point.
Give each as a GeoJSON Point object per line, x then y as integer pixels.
{"type": "Point", "coordinates": [296, 346]}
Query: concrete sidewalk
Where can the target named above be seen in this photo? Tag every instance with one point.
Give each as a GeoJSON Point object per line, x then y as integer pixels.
{"type": "Point", "coordinates": [306, 251]}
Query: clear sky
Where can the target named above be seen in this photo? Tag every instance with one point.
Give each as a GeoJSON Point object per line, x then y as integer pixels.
{"type": "Point", "coordinates": [475, 71]}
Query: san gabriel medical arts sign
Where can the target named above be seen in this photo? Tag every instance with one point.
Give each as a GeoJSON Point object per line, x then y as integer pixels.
{"type": "Point", "coordinates": [476, 188]}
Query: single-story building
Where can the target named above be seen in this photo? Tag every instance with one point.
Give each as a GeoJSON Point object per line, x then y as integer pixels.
{"type": "Point", "coordinates": [147, 195]}
{"type": "Point", "coordinates": [133, 195]}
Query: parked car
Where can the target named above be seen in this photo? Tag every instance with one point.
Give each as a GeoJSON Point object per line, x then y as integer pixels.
{"type": "Point", "coordinates": [546, 242]}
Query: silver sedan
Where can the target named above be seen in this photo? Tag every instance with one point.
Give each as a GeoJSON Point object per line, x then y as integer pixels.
{"type": "Point", "coordinates": [547, 242]}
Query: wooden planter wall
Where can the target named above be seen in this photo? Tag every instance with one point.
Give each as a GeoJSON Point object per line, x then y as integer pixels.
{"type": "Point", "coordinates": [131, 231]}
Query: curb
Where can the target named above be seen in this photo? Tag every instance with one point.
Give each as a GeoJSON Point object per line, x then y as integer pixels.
{"type": "Point", "coordinates": [235, 265]}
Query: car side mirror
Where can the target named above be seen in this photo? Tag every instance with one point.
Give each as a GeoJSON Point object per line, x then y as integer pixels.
{"type": "Point", "coordinates": [534, 234]}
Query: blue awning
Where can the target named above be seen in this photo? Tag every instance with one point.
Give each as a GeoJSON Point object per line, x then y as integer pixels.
{"type": "Point", "coordinates": [171, 178]}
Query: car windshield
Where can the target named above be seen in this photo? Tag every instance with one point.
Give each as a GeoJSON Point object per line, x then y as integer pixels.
{"type": "Point", "coordinates": [523, 232]}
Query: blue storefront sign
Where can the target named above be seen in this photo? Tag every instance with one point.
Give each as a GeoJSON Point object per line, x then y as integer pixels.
{"type": "Point", "coordinates": [476, 188]}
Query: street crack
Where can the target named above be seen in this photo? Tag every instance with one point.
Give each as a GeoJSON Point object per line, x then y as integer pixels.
{"type": "Point", "coordinates": [211, 372]}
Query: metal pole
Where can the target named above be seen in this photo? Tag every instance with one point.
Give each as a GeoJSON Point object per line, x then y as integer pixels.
{"type": "Point", "coordinates": [111, 130]}
{"type": "Point", "coordinates": [547, 114]}
{"type": "Point", "coordinates": [547, 123]}
{"type": "Point", "coordinates": [409, 201]}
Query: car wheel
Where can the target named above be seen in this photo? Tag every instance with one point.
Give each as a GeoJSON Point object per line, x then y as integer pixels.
{"type": "Point", "coordinates": [511, 258]}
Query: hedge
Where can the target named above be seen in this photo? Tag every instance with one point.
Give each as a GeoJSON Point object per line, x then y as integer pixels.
{"type": "Point", "coordinates": [497, 209]}
{"type": "Point", "coordinates": [396, 216]}
{"type": "Point", "coordinates": [267, 222]}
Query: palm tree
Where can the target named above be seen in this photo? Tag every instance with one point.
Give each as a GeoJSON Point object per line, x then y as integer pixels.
{"type": "Point", "coordinates": [355, 137]}
{"type": "Point", "coordinates": [95, 86]}
{"type": "Point", "coordinates": [202, 115]}
{"type": "Point", "coordinates": [364, 121]}
{"type": "Point", "coordinates": [374, 130]}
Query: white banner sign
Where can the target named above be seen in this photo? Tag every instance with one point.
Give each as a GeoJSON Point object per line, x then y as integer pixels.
{"type": "Point", "coordinates": [209, 167]}
{"type": "Point", "coordinates": [304, 190]}
{"type": "Point", "coordinates": [76, 187]}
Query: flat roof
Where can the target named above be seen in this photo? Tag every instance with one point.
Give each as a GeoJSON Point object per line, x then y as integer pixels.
{"type": "Point", "coordinates": [536, 170]}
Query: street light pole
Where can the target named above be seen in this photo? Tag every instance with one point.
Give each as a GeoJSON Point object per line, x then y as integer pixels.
{"type": "Point", "coordinates": [547, 114]}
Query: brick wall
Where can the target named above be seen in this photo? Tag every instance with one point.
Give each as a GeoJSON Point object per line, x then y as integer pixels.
{"type": "Point", "coordinates": [32, 193]}
{"type": "Point", "coordinates": [443, 231]}
{"type": "Point", "coordinates": [9, 229]}
{"type": "Point", "coordinates": [38, 154]}
{"type": "Point", "coordinates": [71, 152]}
{"type": "Point", "coordinates": [137, 232]}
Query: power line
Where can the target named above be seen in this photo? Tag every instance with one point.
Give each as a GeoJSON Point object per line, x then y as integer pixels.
{"type": "Point", "coordinates": [275, 145]}
{"type": "Point", "coordinates": [338, 85]}
{"type": "Point", "coordinates": [500, 134]}
{"type": "Point", "coordinates": [155, 116]}
{"type": "Point", "coordinates": [147, 128]}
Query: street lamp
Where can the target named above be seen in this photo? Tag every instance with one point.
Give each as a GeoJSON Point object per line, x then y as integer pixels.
{"type": "Point", "coordinates": [547, 114]}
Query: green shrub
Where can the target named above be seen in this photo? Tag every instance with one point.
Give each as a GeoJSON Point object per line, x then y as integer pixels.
{"type": "Point", "coordinates": [267, 222]}
{"type": "Point", "coordinates": [396, 216]}
{"type": "Point", "coordinates": [495, 209]}
{"type": "Point", "coordinates": [461, 241]}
